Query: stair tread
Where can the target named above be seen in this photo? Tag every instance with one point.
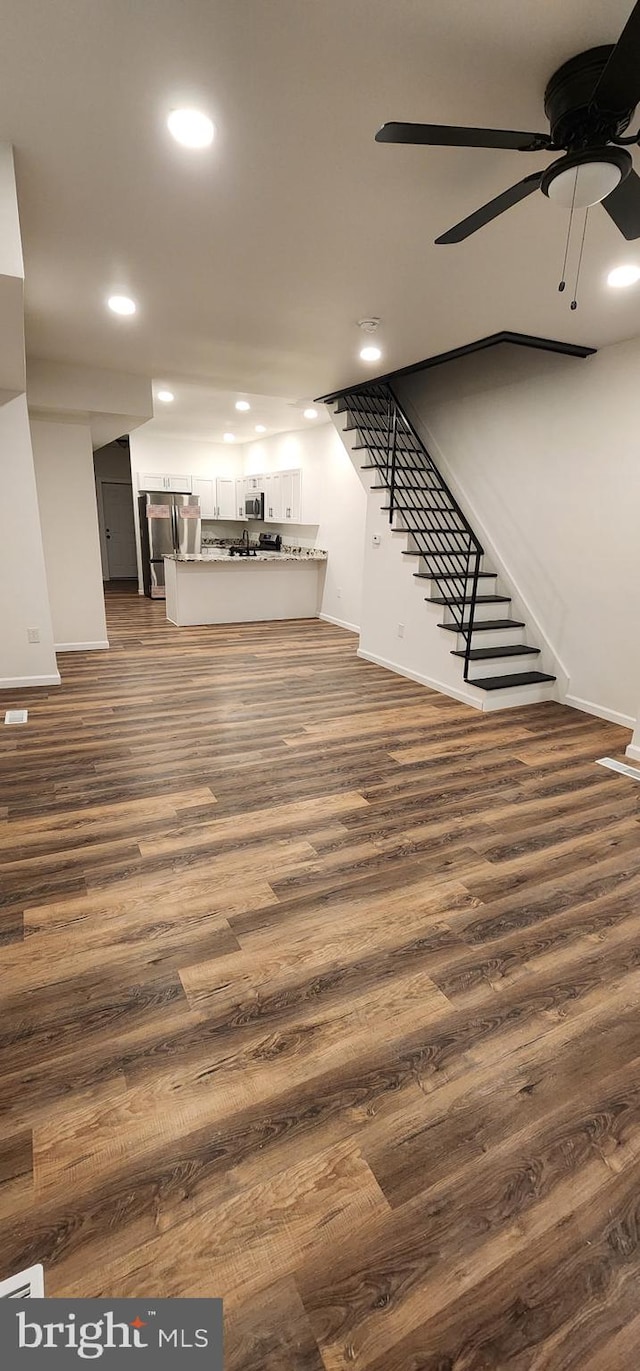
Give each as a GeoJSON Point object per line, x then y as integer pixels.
{"type": "Point", "coordinates": [464, 600]}
{"type": "Point", "coordinates": [484, 625]}
{"type": "Point", "coordinates": [518, 678]}
{"type": "Point", "coordinates": [451, 575]}
{"type": "Point", "coordinates": [481, 654]}
{"type": "Point", "coordinates": [380, 466]}
{"type": "Point", "coordinates": [436, 553]}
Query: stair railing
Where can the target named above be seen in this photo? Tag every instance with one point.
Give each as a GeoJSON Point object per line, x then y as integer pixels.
{"type": "Point", "coordinates": [439, 529]}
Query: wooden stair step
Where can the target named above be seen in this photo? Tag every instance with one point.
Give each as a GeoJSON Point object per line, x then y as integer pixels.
{"type": "Point", "coordinates": [483, 654]}
{"type": "Point", "coordinates": [465, 600]}
{"type": "Point", "coordinates": [450, 575]}
{"type": "Point", "coordinates": [484, 625]}
{"type": "Point", "coordinates": [518, 678]}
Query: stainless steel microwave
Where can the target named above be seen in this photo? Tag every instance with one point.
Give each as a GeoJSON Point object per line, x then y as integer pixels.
{"type": "Point", "coordinates": [254, 506]}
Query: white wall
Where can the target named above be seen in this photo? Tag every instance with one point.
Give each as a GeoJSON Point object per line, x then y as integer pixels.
{"type": "Point", "coordinates": [544, 453]}
{"type": "Point", "coordinates": [24, 601]}
{"type": "Point", "coordinates": [334, 496]}
{"type": "Point", "coordinates": [63, 459]}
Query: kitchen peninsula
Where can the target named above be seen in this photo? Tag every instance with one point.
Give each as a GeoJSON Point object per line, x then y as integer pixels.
{"type": "Point", "coordinates": [215, 588]}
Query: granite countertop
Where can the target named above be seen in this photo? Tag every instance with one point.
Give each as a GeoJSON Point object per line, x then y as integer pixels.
{"type": "Point", "coordinates": [218, 555]}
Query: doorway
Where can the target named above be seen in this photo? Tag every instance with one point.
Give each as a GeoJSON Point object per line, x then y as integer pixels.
{"type": "Point", "coordinates": [116, 519]}
{"type": "Point", "coordinates": [119, 530]}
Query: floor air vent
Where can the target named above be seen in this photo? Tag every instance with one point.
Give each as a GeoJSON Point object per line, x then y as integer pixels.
{"type": "Point", "coordinates": [27, 1285]}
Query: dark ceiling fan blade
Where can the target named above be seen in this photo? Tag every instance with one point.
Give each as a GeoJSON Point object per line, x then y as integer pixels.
{"type": "Point", "coordinates": [483, 216]}
{"type": "Point", "coordinates": [448, 136]}
{"type": "Point", "coordinates": [623, 206]}
{"type": "Point", "coordinates": [618, 87]}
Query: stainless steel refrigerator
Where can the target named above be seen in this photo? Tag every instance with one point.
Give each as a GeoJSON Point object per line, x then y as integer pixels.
{"type": "Point", "coordinates": [168, 523]}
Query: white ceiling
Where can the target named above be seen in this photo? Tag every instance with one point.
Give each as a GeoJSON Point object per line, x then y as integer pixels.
{"type": "Point", "coordinates": [202, 412]}
{"type": "Point", "coordinates": [253, 260]}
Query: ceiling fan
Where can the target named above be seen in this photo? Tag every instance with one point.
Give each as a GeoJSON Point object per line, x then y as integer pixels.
{"type": "Point", "coordinates": [589, 103]}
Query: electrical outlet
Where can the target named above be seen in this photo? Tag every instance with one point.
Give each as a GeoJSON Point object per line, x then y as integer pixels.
{"type": "Point", "coordinates": [339, 593]}
{"type": "Point", "coordinates": [401, 630]}
{"type": "Point", "coordinates": [33, 635]}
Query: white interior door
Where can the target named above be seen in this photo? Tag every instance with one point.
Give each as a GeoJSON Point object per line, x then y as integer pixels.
{"type": "Point", "coordinates": [117, 506]}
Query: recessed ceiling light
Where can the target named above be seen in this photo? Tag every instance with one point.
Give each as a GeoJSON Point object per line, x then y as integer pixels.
{"type": "Point", "coordinates": [191, 128]}
{"type": "Point", "coordinates": [310, 413]}
{"type": "Point", "coordinates": [229, 437]}
{"type": "Point", "coordinates": [260, 428]}
{"type": "Point", "coordinates": [370, 354]}
{"type": "Point", "coordinates": [166, 396]}
{"type": "Point", "coordinates": [624, 276]}
{"type": "Point", "coordinates": [121, 304]}
{"type": "Point", "coordinates": [242, 405]}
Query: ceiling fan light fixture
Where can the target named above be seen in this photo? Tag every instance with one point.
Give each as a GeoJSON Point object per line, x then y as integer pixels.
{"type": "Point", "coordinates": [585, 185]}
{"type": "Point", "coordinates": [586, 178]}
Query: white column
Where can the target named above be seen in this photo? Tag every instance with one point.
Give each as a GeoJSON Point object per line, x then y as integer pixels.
{"type": "Point", "coordinates": [27, 656]}
{"type": "Point", "coordinates": [24, 600]}
{"type": "Point", "coordinates": [63, 458]}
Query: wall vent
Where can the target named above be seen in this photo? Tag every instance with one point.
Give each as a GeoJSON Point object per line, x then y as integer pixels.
{"type": "Point", "coordinates": [27, 1285]}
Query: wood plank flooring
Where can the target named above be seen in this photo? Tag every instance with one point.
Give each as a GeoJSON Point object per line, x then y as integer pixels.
{"type": "Point", "coordinates": [320, 992]}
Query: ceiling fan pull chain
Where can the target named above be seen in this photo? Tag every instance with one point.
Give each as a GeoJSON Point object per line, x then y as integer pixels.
{"type": "Point", "coordinates": [574, 302]}
{"type": "Point", "coordinates": [563, 283]}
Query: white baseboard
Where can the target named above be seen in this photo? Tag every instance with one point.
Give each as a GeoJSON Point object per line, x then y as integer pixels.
{"type": "Point", "coordinates": [601, 712]}
{"type": "Point", "coordinates": [633, 751]}
{"type": "Point", "coordinates": [22, 682]}
{"type": "Point", "coordinates": [340, 623]}
{"type": "Point", "coordinates": [455, 694]}
{"type": "Point", "coordinates": [81, 647]}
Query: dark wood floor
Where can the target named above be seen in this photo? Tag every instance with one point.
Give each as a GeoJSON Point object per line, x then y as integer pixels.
{"type": "Point", "coordinates": [320, 992]}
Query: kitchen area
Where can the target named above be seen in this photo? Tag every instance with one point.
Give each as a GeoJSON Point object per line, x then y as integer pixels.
{"type": "Point", "coordinates": [209, 572]}
{"type": "Point", "coordinates": [245, 509]}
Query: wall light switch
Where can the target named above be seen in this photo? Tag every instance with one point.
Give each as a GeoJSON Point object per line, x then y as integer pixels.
{"type": "Point", "coordinates": [376, 540]}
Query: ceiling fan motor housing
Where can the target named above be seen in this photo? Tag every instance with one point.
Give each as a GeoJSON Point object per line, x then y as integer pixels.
{"type": "Point", "coordinates": [577, 123]}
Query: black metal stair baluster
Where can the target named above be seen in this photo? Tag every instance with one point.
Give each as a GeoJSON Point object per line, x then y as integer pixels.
{"type": "Point", "coordinates": [472, 610]}
{"type": "Point", "coordinates": [394, 441]}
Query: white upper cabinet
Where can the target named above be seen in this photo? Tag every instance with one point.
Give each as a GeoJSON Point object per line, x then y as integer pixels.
{"type": "Point", "coordinates": [273, 498]}
{"type": "Point", "coordinates": [291, 497]}
{"type": "Point", "coordinates": [203, 488]}
{"type": "Point", "coordinates": [225, 497]}
{"type": "Point", "coordinates": [148, 480]}
{"type": "Point", "coordinates": [179, 483]}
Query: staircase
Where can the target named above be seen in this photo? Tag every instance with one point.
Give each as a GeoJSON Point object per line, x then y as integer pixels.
{"type": "Point", "coordinates": [449, 559]}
